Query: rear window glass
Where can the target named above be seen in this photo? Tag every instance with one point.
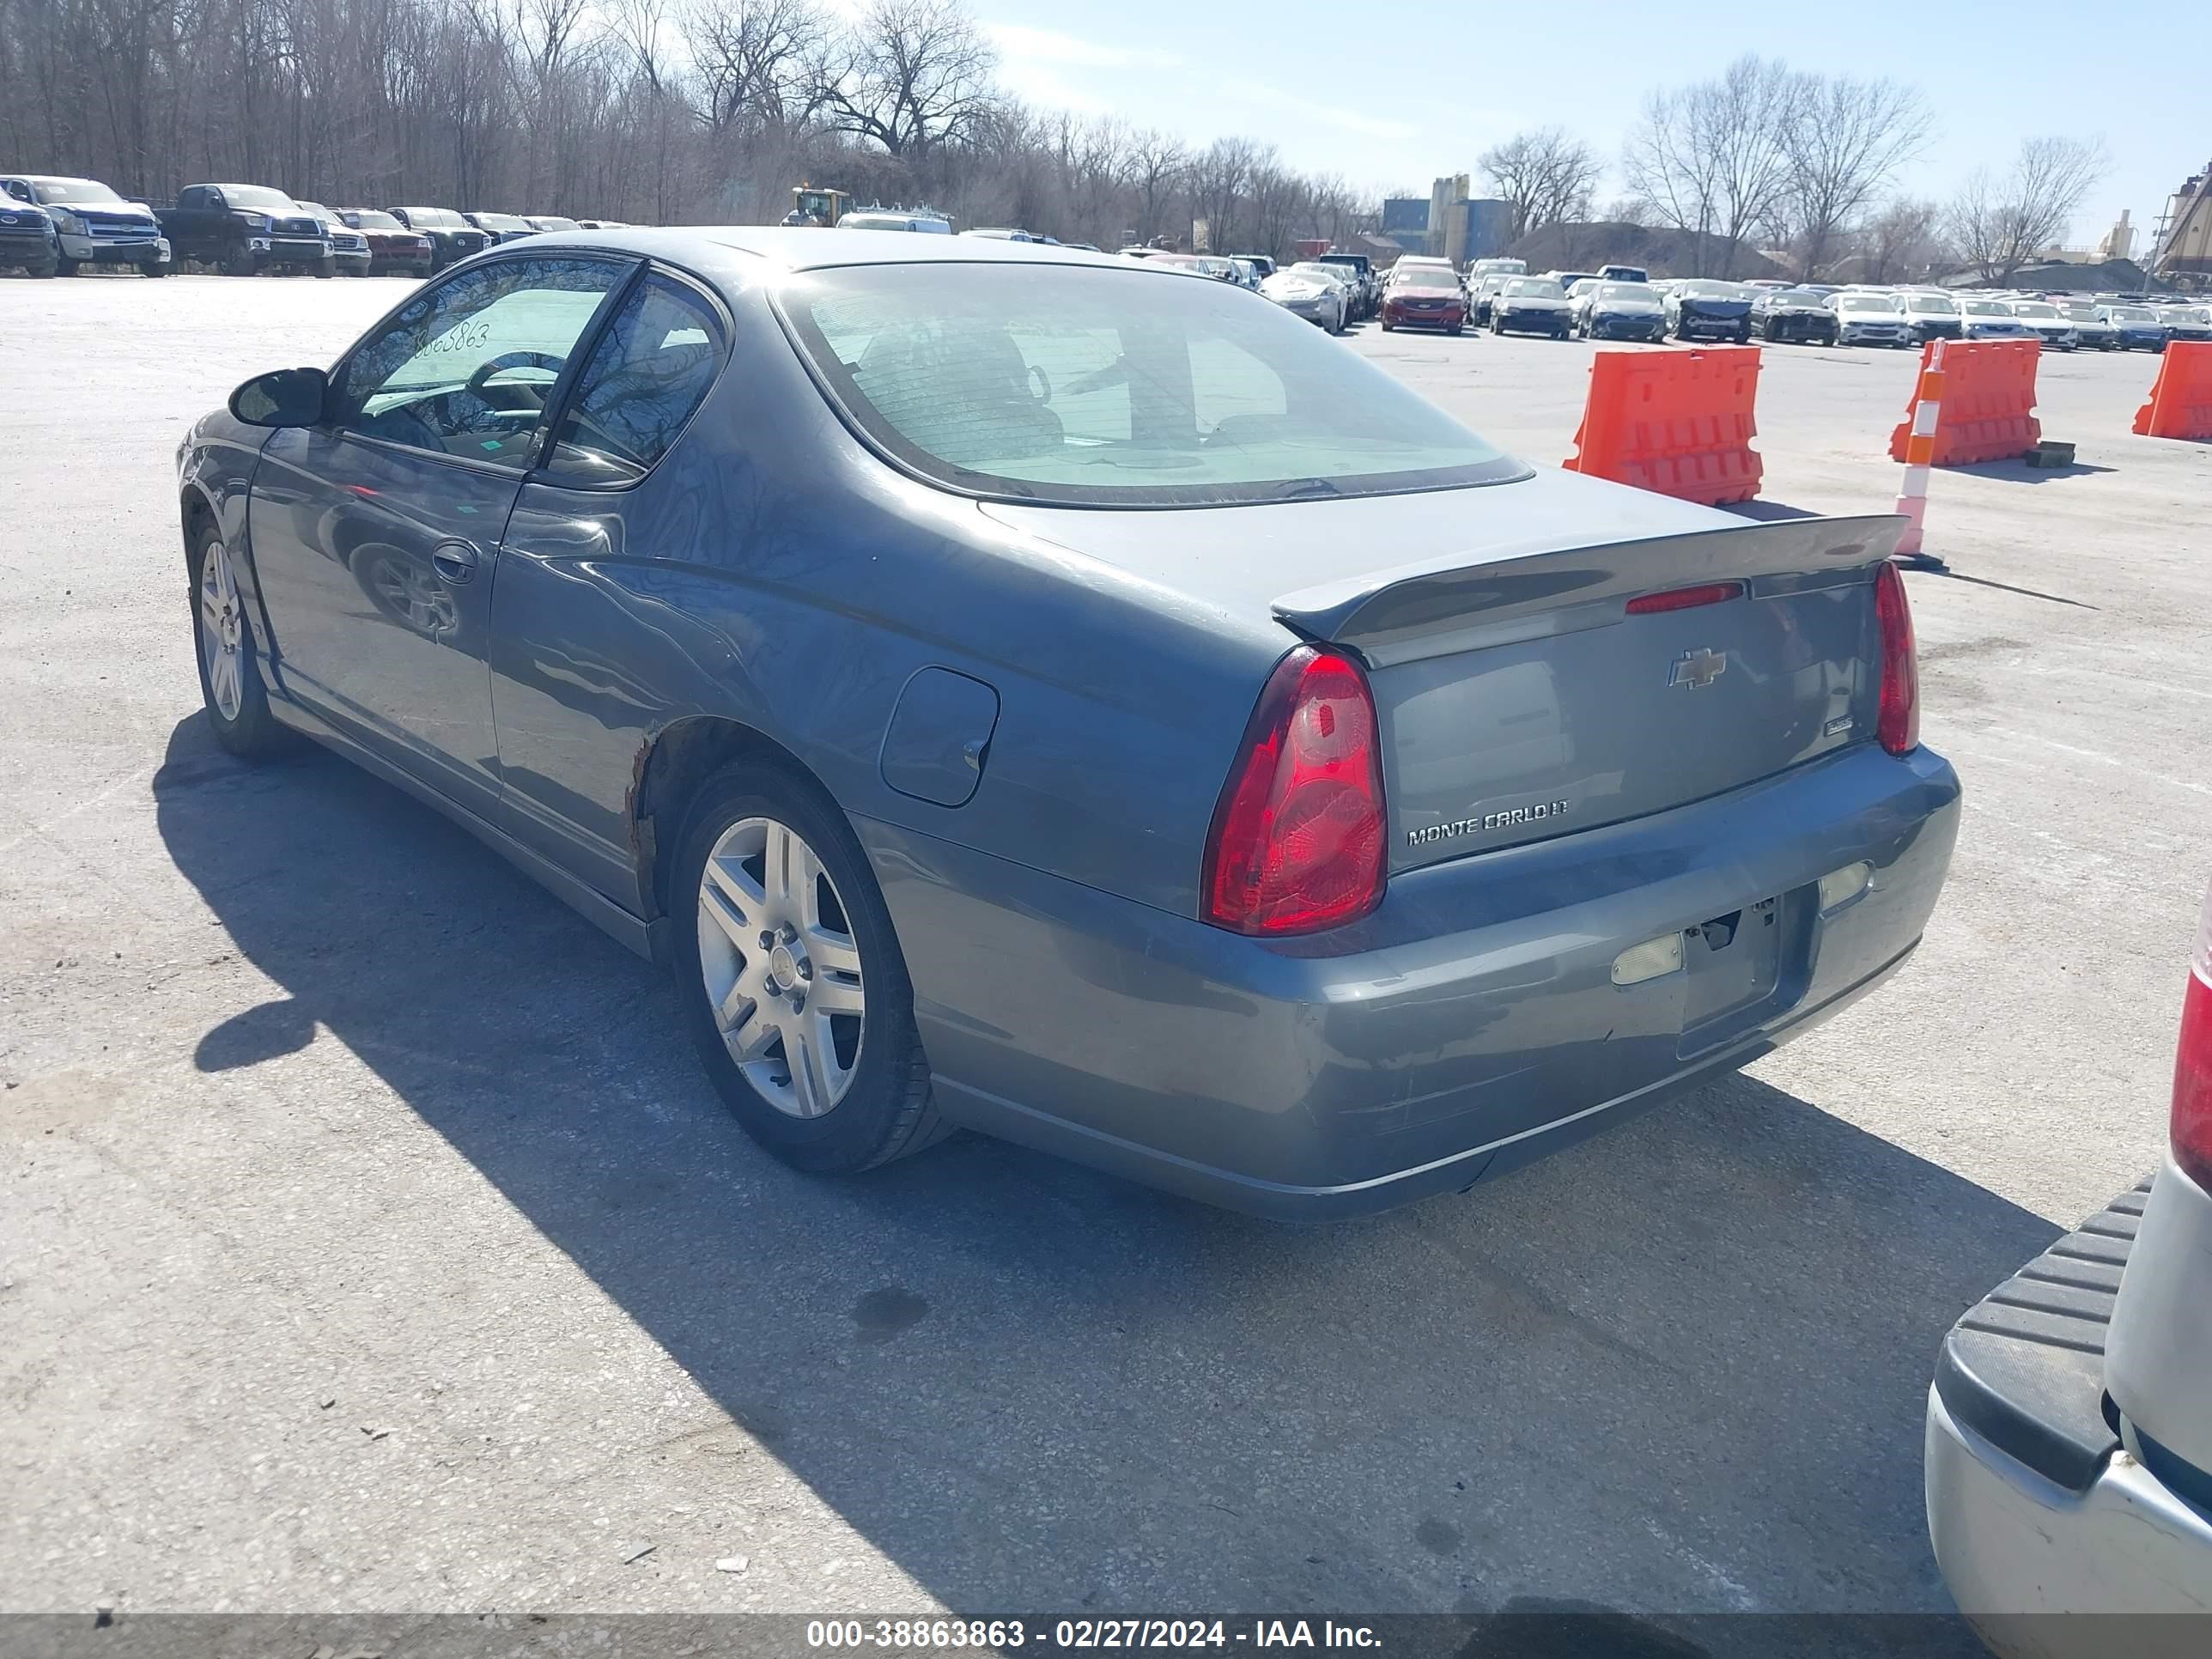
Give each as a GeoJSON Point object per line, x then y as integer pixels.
{"type": "Point", "coordinates": [1116, 388]}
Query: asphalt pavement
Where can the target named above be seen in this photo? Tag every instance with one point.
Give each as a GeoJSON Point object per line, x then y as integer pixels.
{"type": "Point", "coordinates": [371, 1242]}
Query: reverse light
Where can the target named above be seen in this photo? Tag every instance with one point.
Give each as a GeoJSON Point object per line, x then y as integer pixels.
{"type": "Point", "coordinates": [1899, 723]}
{"type": "Point", "coordinates": [1648, 960]}
{"type": "Point", "coordinates": [1297, 839]}
{"type": "Point", "coordinates": [1840, 887]}
{"type": "Point", "coordinates": [2191, 1124]}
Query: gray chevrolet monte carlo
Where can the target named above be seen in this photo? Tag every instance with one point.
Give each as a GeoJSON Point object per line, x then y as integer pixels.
{"type": "Point", "coordinates": [1020, 688]}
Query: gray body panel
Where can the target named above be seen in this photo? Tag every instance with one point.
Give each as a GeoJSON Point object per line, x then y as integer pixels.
{"type": "Point", "coordinates": [1092, 672]}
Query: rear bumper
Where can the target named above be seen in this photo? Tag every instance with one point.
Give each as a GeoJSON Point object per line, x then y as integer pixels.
{"type": "Point", "coordinates": [2034, 1508]}
{"type": "Point", "coordinates": [1468, 1026]}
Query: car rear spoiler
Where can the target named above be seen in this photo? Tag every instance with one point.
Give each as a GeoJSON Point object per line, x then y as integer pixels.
{"type": "Point", "coordinates": [1442, 604]}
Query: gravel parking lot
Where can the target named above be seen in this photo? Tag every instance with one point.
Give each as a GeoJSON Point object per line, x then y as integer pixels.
{"type": "Point", "coordinates": [371, 1241]}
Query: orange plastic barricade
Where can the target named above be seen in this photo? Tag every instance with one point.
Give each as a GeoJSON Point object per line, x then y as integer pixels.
{"type": "Point", "coordinates": [2180, 403]}
{"type": "Point", "coordinates": [1989, 403]}
{"type": "Point", "coordinates": [1679, 423]}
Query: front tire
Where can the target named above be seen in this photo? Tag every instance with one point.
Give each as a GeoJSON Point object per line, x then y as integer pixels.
{"type": "Point", "coordinates": [792, 982]}
{"type": "Point", "coordinates": [65, 266]}
{"type": "Point", "coordinates": [230, 671]}
{"type": "Point", "coordinates": [239, 263]}
{"type": "Point", "coordinates": [326, 267]}
{"type": "Point", "coordinates": [154, 268]}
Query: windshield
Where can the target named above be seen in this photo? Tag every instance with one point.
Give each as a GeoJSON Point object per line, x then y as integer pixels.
{"type": "Point", "coordinates": [500, 222]}
{"type": "Point", "coordinates": [1089, 386]}
{"type": "Point", "coordinates": [2081, 313]}
{"type": "Point", "coordinates": [369, 219]}
{"type": "Point", "coordinates": [2034, 309]}
{"type": "Point", "coordinates": [256, 196]}
{"type": "Point", "coordinates": [1636, 291]}
{"type": "Point", "coordinates": [1940, 304]}
{"type": "Point", "coordinates": [1534, 288]}
{"type": "Point", "coordinates": [1801, 297]}
{"type": "Point", "coordinates": [2185, 314]}
{"type": "Point", "coordinates": [553, 221]}
{"type": "Point", "coordinates": [1710, 291]}
{"type": "Point", "coordinates": [1864, 302]}
{"type": "Point", "coordinates": [317, 209]}
{"type": "Point", "coordinates": [1314, 273]}
{"type": "Point", "coordinates": [1427, 276]}
{"type": "Point", "coordinates": [72, 190]}
{"type": "Point", "coordinates": [444, 218]}
{"type": "Point", "coordinates": [1985, 308]}
{"type": "Point", "coordinates": [2129, 314]}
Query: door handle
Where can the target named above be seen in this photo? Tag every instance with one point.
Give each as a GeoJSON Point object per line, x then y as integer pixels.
{"type": "Point", "coordinates": [455, 562]}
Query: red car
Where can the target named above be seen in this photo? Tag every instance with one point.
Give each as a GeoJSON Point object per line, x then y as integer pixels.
{"type": "Point", "coordinates": [392, 245]}
{"type": "Point", "coordinates": [1422, 300]}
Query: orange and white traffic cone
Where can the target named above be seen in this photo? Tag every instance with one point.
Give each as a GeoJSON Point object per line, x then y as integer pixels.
{"type": "Point", "coordinates": [1920, 451]}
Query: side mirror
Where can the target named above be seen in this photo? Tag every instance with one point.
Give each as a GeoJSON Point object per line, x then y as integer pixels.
{"type": "Point", "coordinates": [283, 397]}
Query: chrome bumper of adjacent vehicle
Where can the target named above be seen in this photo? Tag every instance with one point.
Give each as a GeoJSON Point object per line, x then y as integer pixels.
{"type": "Point", "coordinates": [1468, 1026]}
{"type": "Point", "coordinates": [2034, 1507]}
{"type": "Point", "coordinates": [2016, 1549]}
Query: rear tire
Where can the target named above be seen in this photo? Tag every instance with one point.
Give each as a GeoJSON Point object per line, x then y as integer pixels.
{"type": "Point", "coordinates": [230, 669]}
{"type": "Point", "coordinates": [862, 1107]}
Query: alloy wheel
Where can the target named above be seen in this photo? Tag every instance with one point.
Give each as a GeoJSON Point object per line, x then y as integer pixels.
{"type": "Point", "coordinates": [781, 968]}
{"type": "Point", "coordinates": [223, 632]}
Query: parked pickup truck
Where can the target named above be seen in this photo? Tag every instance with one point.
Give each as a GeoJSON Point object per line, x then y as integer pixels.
{"type": "Point", "coordinates": [246, 229]}
{"type": "Point", "coordinates": [92, 224]}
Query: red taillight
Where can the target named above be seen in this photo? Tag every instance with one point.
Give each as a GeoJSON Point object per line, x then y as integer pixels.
{"type": "Point", "coordinates": [1297, 838]}
{"type": "Point", "coordinates": [1899, 723]}
{"type": "Point", "coordinates": [2192, 1063]}
{"type": "Point", "coordinates": [1685, 598]}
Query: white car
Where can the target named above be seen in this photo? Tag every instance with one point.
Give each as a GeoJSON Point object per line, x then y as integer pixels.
{"type": "Point", "coordinates": [2090, 326]}
{"type": "Point", "coordinates": [1991, 320]}
{"type": "Point", "coordinates": [1863, 318]}
{"type": "Point", "coordinates": [2049, 325]}
{"type": "Point", "coordinates": [1929, 315]}
{"type": "Point", "coordinates": [1311, 291]}
{"type": "Point", "coordinates": [2068, 1448]}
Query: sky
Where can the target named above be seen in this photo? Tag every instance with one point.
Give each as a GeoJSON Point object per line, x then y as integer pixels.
{"type": "Point", "coordinates": [1319, 80]}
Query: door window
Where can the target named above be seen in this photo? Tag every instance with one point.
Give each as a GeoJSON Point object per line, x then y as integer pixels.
{"type": "Point", "coordinates": [469, 366]}
{"type": "Point", "coordinates": [649, 371]}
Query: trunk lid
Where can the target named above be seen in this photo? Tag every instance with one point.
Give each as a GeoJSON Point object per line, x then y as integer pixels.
{"type": "Point", "coordinates": [1522, 698]}
{"type": "Point", "coordinates": [1518, 697]}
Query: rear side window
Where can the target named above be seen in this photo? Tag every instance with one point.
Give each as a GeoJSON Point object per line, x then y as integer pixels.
{"type": "Point", "coordinates": [1116, 387]}
{"type": "Point", "coordinates": [646, 378]}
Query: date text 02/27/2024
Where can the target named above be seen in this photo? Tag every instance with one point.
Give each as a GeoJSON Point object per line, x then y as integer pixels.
{"type": "Point", "coordinates": [1010, 1635]}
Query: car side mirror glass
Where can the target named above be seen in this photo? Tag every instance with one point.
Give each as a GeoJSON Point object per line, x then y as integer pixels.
{"type": "Point", "coordinates": [283, 397]}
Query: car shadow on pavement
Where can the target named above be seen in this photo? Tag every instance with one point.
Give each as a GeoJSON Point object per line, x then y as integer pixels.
{"type": "Point", "coordinates": [1682, 1367]}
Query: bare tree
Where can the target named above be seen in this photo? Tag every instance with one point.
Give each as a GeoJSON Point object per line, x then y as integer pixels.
{"type": "Point", "coordinates": [2000, 224]}
{"type": "Point", "coordinates": [1843, 141]}
{"type": "Point", "coordinates": [911, 76]}
{"type": "Point", "coordinates": [1158, 163]}
{"type": "Point", "coordinates": [1220, 178]}
{"type": "Point", "coordinates": [1710, 158]}
{"type": "Point", "coordinates": [752, 63]}
{"type": "Point", "coordinates": [1899, 241]}
{"type": "Point", "coordinates": [1545, 176]}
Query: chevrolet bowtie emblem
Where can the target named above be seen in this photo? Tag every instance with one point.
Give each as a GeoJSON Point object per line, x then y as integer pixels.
{"type": "Point", "coordinates": [1698, 669]}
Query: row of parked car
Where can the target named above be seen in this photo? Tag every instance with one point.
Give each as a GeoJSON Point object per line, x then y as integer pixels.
{"type": "Point", "coordinates": [54, 226]}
